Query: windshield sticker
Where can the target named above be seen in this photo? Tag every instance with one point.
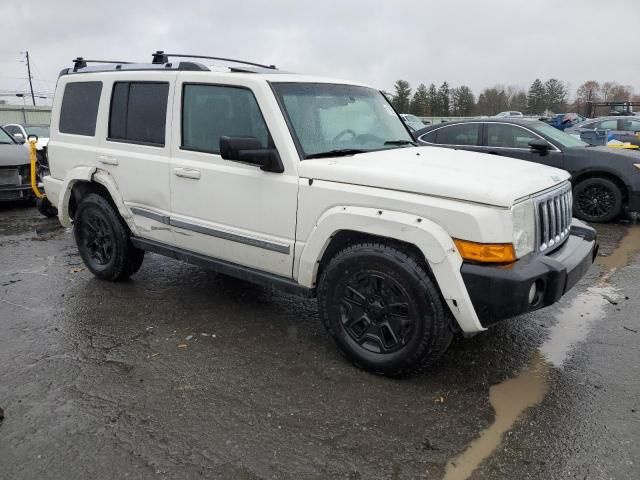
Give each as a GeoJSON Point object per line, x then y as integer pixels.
{"type": "Point", "coordinates": [389, 110]}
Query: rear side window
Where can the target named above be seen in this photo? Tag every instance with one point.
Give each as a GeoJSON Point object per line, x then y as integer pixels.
{"type": "Point", "coordinates": [508, 136]}
{"type": "Point", "coordinates": [212, 111]}
{"type": "Point", "coordinates": [461, 134]}
{"type": "Point", "coordinates": [138, 112]}
{"type": "Point", "coordinates": [79, 109]}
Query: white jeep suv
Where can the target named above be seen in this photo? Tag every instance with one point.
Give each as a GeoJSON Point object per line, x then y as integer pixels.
{"type": "Point", "coordinates": [314, 186]}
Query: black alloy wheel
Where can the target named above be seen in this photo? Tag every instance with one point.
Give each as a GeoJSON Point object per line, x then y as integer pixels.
{"type": "Point", "coordinates": [597, 200]}
{"type": "Point", "coordinates": [376, 312]}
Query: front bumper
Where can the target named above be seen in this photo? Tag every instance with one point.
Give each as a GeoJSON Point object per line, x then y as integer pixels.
{"type": "Point", "coordinates": [499, 292]}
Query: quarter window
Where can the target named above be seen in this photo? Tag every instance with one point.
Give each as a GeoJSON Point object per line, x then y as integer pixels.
{"type": "Point", "coordinates": [461, 134]}
{"type": "Point", "coordinates": [212, 111]}
{"type": "Point", "coordinates": [508, 136]}
{"type": "Point", "coordinates": [79, 109]}
{"type": "Point", "coordinates": [138, 112]}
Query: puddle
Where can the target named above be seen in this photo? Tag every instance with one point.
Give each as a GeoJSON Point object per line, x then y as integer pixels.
{"type": "Point", "coordinates": [511, 398]}
{"type": "Point", "coordinates": [621, 256]}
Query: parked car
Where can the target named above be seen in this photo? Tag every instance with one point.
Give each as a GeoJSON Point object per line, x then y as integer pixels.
{"type": "Point", "coordinates": [15, 183]}
{"type": "Point", "coordinates": [623, 128]}
{"type": "Point", "coordinates": [315, 186]}
{"type": "Point", "coordinates": [413, 122]}
{"type": "Point", "coordinates": [606, 181]}
{"type": "Point", "coordinates": [22, 131]}
{"type": "Point", "coordinates": [510, 114]}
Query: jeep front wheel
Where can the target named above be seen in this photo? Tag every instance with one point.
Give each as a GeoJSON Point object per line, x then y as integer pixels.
{"type": "Point", "coordinates": [103, 240]}
{"type": "Point", "coordinates": [383, 310]}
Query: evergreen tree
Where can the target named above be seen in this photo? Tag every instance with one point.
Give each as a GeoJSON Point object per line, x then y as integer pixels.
{"type": "Point", "coordinates": [536, 98]}
{"type": "Point", "coordinates": [420, 101]}
{"type": "Point", "coordinates": [402, 96]}
{"type": "Point", "coordinates": [432, 101]}
{"type": "Point", "coordinates": [462, 101]}
{"type": "Point", "coordinates": [443, 99]}
{"type": "Point", "coordinates": [555, 95]}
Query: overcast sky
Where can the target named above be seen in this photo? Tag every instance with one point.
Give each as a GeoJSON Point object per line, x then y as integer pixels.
{"type": "Point", "coordinates": [477, 43]}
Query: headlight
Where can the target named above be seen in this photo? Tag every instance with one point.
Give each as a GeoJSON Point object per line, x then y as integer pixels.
{"type": "Point", "coordinates": [524, 229]}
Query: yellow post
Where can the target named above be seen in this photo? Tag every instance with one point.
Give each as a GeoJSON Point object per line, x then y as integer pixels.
{"type": "Point", "coordinates": [33, 155]}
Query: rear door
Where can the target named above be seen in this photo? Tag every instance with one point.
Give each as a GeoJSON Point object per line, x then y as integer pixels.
{"type": "Point", "coordinates": [510, 140]}
{"type": "Point", "coordinates": [135, 147]}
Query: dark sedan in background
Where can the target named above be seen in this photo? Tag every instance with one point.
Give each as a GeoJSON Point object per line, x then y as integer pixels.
{"type": "Point", "coordinates": [606, 181]}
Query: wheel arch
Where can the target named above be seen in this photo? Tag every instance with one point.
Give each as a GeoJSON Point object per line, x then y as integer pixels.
{"type": "Point", "coordinates": [344, 225]}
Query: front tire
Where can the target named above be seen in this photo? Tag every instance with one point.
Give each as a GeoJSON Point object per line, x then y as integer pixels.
{"type": "Point", "coordinates": [383, 310]}
{"type": "Point", "coordinates": [597, 200]}
{"type": "Point", "coordinates": [103, 240]}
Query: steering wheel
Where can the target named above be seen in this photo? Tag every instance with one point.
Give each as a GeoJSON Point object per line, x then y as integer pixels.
{"type": "Point", "coordinates": [343, 133]}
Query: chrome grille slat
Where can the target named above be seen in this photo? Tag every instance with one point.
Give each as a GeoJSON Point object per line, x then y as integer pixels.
{"type": "Point", "coordinates": [553, 216]}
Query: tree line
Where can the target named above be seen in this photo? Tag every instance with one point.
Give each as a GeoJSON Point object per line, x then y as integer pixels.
{"type": "Point", "coordinates": [549, 96]}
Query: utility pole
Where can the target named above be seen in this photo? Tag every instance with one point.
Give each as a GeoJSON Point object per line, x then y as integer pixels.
{"type": "Point", "coordinates": [33, 98]}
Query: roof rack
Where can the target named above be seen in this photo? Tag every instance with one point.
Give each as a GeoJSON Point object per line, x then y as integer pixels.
{"type": "Point", "coordinates": [82, 63]}
{"type": "Point", "coordinates": [160, 57]}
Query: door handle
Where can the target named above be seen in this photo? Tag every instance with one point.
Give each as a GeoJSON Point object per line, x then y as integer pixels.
{"type": "Point", "coordinates": [187, 173]}
{"type": "Point", "coordinates": [107, 160]}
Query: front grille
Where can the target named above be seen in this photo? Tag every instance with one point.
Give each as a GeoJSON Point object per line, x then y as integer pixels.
{"type": "Point", "coordinates": [554, 213]}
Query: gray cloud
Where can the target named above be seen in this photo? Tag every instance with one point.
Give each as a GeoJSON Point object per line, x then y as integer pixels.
{"type": "Point", "coordinates": [468, 42]}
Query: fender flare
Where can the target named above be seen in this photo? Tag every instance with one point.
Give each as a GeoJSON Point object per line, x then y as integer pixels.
{"type": "Point", "coordinates": [430, 238]}
{"type": "Point", "coordinates": [92, 174]}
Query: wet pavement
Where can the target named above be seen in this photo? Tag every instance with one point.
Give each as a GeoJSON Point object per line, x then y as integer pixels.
{"type": "Point", "coordinates": [182, 373]}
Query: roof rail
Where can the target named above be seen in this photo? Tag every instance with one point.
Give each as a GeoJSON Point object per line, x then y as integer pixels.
{"type": "Point", "coordinates": [82, 63]}
{"type": "Point", "coordinates": [160, 57]}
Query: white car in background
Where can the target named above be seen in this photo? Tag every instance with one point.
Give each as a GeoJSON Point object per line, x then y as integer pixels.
{"type": "Point", "coordinates": [21, 131]}
{"type": "Point", "coordinates": [511, 114]}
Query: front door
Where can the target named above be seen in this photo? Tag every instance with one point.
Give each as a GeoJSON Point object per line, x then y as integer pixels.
{"type": "Point", "coordinates": [511, 140]}
{"type": "Point", "coordinates": [225, 209]}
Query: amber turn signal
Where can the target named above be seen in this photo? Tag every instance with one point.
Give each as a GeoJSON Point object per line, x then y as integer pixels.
{"type": "Point", "coordinates": [486, 252]}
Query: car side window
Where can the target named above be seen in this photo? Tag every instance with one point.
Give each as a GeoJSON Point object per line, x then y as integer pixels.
{"type": "Point", "coordinates": [429, 137]}
{"type": "Point", "coordinates": [607, 125]}
{"type": "Point", "coordinates": [631, 125]}
{"type": "Point", "coordinates": [79, 109]}
{"type": "Point", "coordinates": [461, 134]}
{"type": "Point", "coordinates": [139, 112]}
{"type": "Point", "coordinates": [12, 129]}
{"type": "Point", "coordinates": [508, 136]}
{"type": "Point", "coordinates": [212, 111]}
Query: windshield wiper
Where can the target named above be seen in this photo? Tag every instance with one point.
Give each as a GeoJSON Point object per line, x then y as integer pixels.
{"type": "Point", "coordinates": [400, 142]}
{"type": "Point", "coordinates": [340, 152]}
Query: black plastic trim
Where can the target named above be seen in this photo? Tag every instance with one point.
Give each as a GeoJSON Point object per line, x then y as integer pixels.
{"type": "Point", "coordinates": [500, 292]}
{"type": "Point", "coordinates": [228, 268]}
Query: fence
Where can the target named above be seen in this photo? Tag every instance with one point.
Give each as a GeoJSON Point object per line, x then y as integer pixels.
{"type": "Point", "coordinates": [24, 114]}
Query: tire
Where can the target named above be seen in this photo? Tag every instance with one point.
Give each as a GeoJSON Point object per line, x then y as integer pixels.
{"type": "Point", "coordinates": [597, 200]}
{"type": "Point", "coordinates": [383, 310]}
{"type": "Point", "coordinates": [45, 208]}
{"type": "Point", "coordinates": [103, 240]}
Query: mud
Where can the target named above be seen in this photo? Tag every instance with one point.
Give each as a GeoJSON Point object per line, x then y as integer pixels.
{"type": "Point", "coordinates": [180, 373]}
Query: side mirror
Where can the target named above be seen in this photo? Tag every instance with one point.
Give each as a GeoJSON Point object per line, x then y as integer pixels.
{"type": "Point", "coordinates": [539, 146]}
{"type": "Point", "coordinates": [249, 150]}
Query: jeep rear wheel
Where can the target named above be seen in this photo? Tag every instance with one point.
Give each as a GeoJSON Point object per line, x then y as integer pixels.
{"type": "Point", "coordinates": [103, 240]}
{"type": "Point", "coordinates": [383, 310]}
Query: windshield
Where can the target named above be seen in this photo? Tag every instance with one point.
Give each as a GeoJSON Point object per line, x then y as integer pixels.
{"type": "Point", "coordinates": [42, 131]}
{"type": "Point", "coordinates": [5, 137]}
{"type": "Point", "coordinates": [559, 136]}
{"type": "Point", "coordinates": [341, 119]}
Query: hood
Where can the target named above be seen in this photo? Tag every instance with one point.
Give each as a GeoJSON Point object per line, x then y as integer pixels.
{"type": "Point", "coordinates": [613, 154]}
{"type": "Point", "coordinates": [14, 154]}
{"type": "Point", "coordinates": [441, 172]}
